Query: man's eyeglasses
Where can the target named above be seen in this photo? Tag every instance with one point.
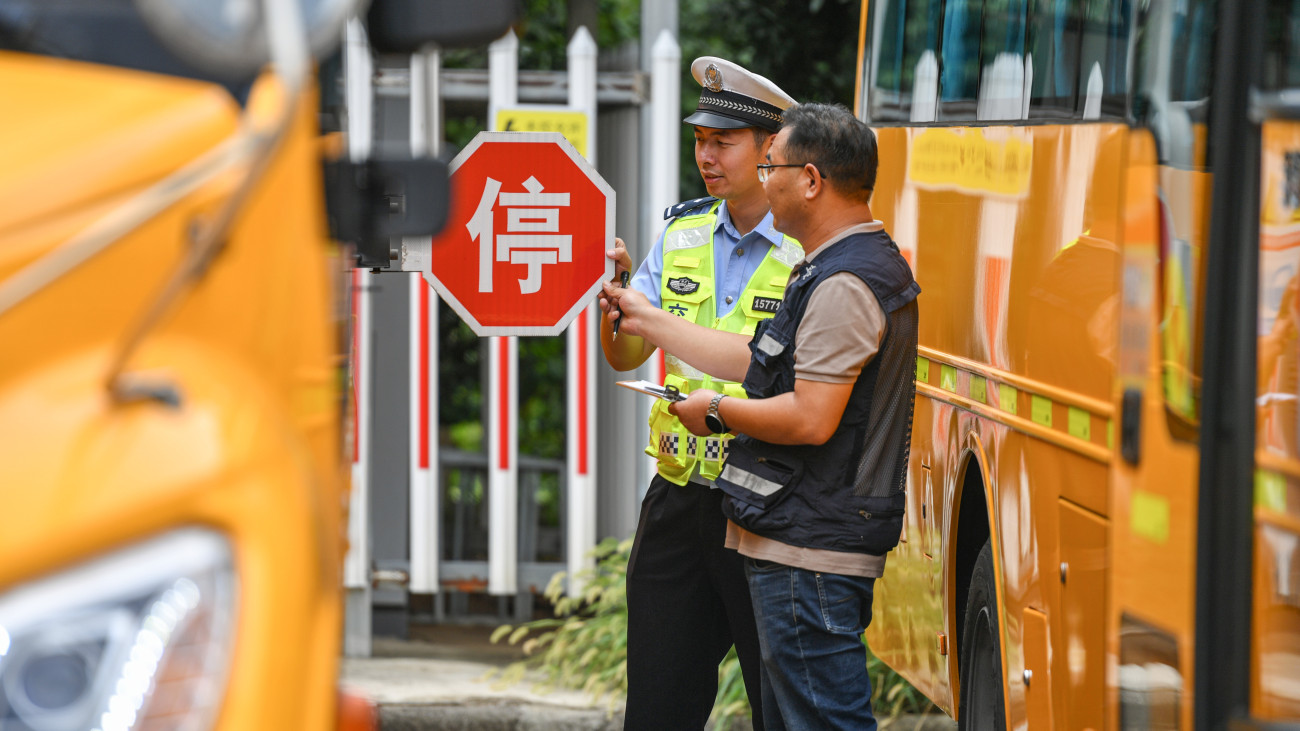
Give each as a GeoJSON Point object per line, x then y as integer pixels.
{"type": "Point", "coordinates": [765, 170]}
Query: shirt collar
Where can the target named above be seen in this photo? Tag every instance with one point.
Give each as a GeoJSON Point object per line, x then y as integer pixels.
{"type": "Point", "coordinates": [764, 227]}
{"type": "Point", "coordinates": [844, 233]}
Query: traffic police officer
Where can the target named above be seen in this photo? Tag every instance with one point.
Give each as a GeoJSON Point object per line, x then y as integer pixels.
{"type": "Point", "coordinates": [719, 263]}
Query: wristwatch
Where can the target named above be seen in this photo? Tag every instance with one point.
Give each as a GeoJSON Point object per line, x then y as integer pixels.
{"type": "Point", "coordinates": [712, 419]}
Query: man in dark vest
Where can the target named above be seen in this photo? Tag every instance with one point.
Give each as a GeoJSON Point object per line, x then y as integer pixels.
{"type": "Point", "coordinates": [815, 478]}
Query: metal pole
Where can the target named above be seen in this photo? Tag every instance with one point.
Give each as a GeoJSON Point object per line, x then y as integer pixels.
{"type": "Point", "coordinates": [1225, 518]}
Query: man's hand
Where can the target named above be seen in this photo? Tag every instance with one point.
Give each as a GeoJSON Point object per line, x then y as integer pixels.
{"type": "Point", "coordinates": [627, 305]}
{"type": "Point", "coordinates": [691, 411]}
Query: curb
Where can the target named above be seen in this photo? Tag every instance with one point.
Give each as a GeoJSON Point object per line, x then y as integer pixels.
{"type": "Point", "coordinates": [493, 716]}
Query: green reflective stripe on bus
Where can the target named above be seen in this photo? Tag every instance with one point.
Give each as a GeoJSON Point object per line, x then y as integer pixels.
{"type": "Point", "coordinates": [1270, 490]}
{"type": "Point", "coordinates": [1079, 424]}
{"type": "Point", "coordinates": [948, 378]}
{"type": "Point", "coordinates": [1150, 516]}
{"type": "Point", "coordinates": [975, 390]}
{"type": "Point", "coordinates": [1007, 398]}
{"type": "Point", "coordinates": [1040, 410]}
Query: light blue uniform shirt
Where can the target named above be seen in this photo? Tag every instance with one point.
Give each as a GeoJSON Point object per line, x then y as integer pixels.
{"type": "Point", "coordinates": [735, 259]}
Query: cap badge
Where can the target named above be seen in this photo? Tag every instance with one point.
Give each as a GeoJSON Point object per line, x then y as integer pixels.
{"type": "Point", "coordinates": [713, 78]}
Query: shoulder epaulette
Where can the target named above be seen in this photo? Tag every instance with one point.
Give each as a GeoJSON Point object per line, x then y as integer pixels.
{"type": "Point", "coordinates": [688, 206]}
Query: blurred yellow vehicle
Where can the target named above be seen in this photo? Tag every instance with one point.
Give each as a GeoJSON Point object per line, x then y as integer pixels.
{"type": "Point", "coordinates": [172, 483]}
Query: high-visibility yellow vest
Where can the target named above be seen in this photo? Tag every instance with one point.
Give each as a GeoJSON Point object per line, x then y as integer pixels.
{"type": "Point", "coordinates": [687, 290]}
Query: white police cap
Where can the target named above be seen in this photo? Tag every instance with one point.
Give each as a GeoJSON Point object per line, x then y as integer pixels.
{"type": "Point", "coordinates": [734, 97]}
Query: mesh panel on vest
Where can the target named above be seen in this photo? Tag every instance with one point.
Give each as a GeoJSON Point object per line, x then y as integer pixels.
{"type": "Point", "coordinates": [882, 471]}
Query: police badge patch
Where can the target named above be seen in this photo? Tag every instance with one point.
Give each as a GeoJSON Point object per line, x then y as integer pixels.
{"type": "Point", "coordinates": [683, 285]}
{"type": "Point", "coordinates": [766, 304]}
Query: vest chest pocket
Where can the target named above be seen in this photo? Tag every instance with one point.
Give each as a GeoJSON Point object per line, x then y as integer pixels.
{"type": "Point", "coordinates": [683, 294]}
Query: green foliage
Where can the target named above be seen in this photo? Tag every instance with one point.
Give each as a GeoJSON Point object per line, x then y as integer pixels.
{"type": "Point", "coordinates": [460, 357]}
{"type": "Point", "coordinates": [542, 386]}
{"type": "Point", "coordinates": [543, 32]}
{"type": "Point", "coordinates": [584, 647]}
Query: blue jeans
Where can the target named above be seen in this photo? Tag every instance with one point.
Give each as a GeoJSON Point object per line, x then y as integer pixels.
{"type": "Point", "coordinates": [810, 629]}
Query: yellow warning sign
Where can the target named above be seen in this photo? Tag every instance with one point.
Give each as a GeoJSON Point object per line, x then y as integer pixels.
{"type": "Point", "coordinates": [568, 122]}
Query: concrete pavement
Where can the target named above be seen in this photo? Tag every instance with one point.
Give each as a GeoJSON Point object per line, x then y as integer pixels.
{"type": "Point", "coordinates": [439, 680]}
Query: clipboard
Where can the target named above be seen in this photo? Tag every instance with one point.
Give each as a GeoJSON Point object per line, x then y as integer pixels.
{"type": "Point", "coordinates": [650, 388]}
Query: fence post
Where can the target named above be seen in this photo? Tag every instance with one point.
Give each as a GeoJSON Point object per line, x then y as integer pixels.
{"type": "Point", "coordinates": [425, 497]}
{"type": "Point", "coordinates": [580, 349]}
{"type": "Point", "coordinates": [665, 147]}
{"type": "Point", "coordinates": [503, 381]}
{"type": "Point", "coordinates": [356, 564]}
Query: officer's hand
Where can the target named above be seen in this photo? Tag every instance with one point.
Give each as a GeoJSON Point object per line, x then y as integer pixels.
{"type": "Point", "coordinates": [622, 261]}
{"type": "Point", "coordinates": [691, 411]}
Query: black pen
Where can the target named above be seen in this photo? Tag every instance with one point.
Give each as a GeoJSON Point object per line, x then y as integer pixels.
{"type": "Point", "coordinates": [622, 280]}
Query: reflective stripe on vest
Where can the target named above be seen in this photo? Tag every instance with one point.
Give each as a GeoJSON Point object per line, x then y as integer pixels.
{"type": "Point", "coordinates": [687, 290]}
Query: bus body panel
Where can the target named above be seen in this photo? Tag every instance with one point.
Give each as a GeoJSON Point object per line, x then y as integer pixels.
{"type": "Point", "coordinates": [252, 447]}
{"type": "Point", "coordinates": [1275, 657]}
{"type": "Point", "coordinates": [1062, 257]}
{"type": "Point", "coordinates": [1014, 236]}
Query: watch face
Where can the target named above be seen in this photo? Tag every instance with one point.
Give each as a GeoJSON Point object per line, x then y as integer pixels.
{"type": "Point", "coordinates": [714, 424]}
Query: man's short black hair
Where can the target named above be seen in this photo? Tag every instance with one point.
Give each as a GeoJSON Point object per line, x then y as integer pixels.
{"type": "Point", "coordinates": [837, 143]}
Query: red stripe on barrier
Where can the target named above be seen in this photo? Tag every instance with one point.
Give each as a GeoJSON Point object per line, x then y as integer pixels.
{"type": "Point", "coordinates": [583, 335]}
{"type": "Point", "coordinates": [503, 418]}
{"type": "Point", "coordinates": [424, 372]}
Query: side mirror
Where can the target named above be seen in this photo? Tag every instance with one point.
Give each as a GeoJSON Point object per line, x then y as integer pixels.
{"type": "Point", "coordinates": [373, 201]}
{"type": "Point", "coordinates": [404, 26]}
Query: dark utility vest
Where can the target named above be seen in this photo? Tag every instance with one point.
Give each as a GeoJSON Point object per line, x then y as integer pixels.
{"type": "Point", "coordinates": [846, 494]}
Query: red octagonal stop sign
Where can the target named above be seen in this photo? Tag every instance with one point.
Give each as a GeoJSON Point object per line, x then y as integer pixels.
{"type": "Point", "coordinates": [523, 251]}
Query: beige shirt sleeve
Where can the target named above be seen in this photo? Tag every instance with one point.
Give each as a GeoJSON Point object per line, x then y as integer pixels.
{"type": "Point", "coordinates": [841, 331]}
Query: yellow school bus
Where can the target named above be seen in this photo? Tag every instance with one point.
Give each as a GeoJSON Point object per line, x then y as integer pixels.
{"type": "Point", "coordinates": [172, 475]}
{"type": "Point", "coordinates": [1101, 202]}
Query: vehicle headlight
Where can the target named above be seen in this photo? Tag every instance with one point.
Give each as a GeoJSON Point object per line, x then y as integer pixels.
{"type": "Point", "coordinates": [140, 638]}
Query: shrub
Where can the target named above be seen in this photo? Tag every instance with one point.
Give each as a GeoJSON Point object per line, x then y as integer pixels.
{"type": "Point", "coordinates": [585, 647]}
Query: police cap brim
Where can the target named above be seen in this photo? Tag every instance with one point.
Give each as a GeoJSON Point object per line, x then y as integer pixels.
{"type": "Point", "coordinates": [716, 121]}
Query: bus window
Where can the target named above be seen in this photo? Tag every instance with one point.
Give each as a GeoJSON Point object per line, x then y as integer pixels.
{"type": "Point", "coordinates": [1002, 49]}
{"type": "Point", "coordinates": [903, 82]}
{"type": "Point", "coordinates": [1054, 52]}
{"type": "Point", "coordinates": [1194, 24]}
{"type": "Point", "coordinates": [960, 56]}
{"type": "Point", "coordinates": [1282, 57]}
{"type": "Point", "coordinates": [1103, 57]}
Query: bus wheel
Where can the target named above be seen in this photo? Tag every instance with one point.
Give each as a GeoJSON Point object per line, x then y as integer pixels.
{"type": "Point", "coordinates": [982, 704]}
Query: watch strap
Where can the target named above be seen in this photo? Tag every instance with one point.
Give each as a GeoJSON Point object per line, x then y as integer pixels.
{"type": "Point", "coordinates": [713, 411]}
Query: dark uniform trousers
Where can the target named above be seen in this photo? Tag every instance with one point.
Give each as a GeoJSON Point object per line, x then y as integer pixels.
{"type": "Point", "coordinates": [687, 603]}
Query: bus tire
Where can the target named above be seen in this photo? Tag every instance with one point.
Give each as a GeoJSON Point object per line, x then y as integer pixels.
{"type": "Point", "coordinates": [982, 703]}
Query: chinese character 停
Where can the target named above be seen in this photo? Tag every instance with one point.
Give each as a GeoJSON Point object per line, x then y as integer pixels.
{"type": "Point", "coordinates": [532, 232]}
